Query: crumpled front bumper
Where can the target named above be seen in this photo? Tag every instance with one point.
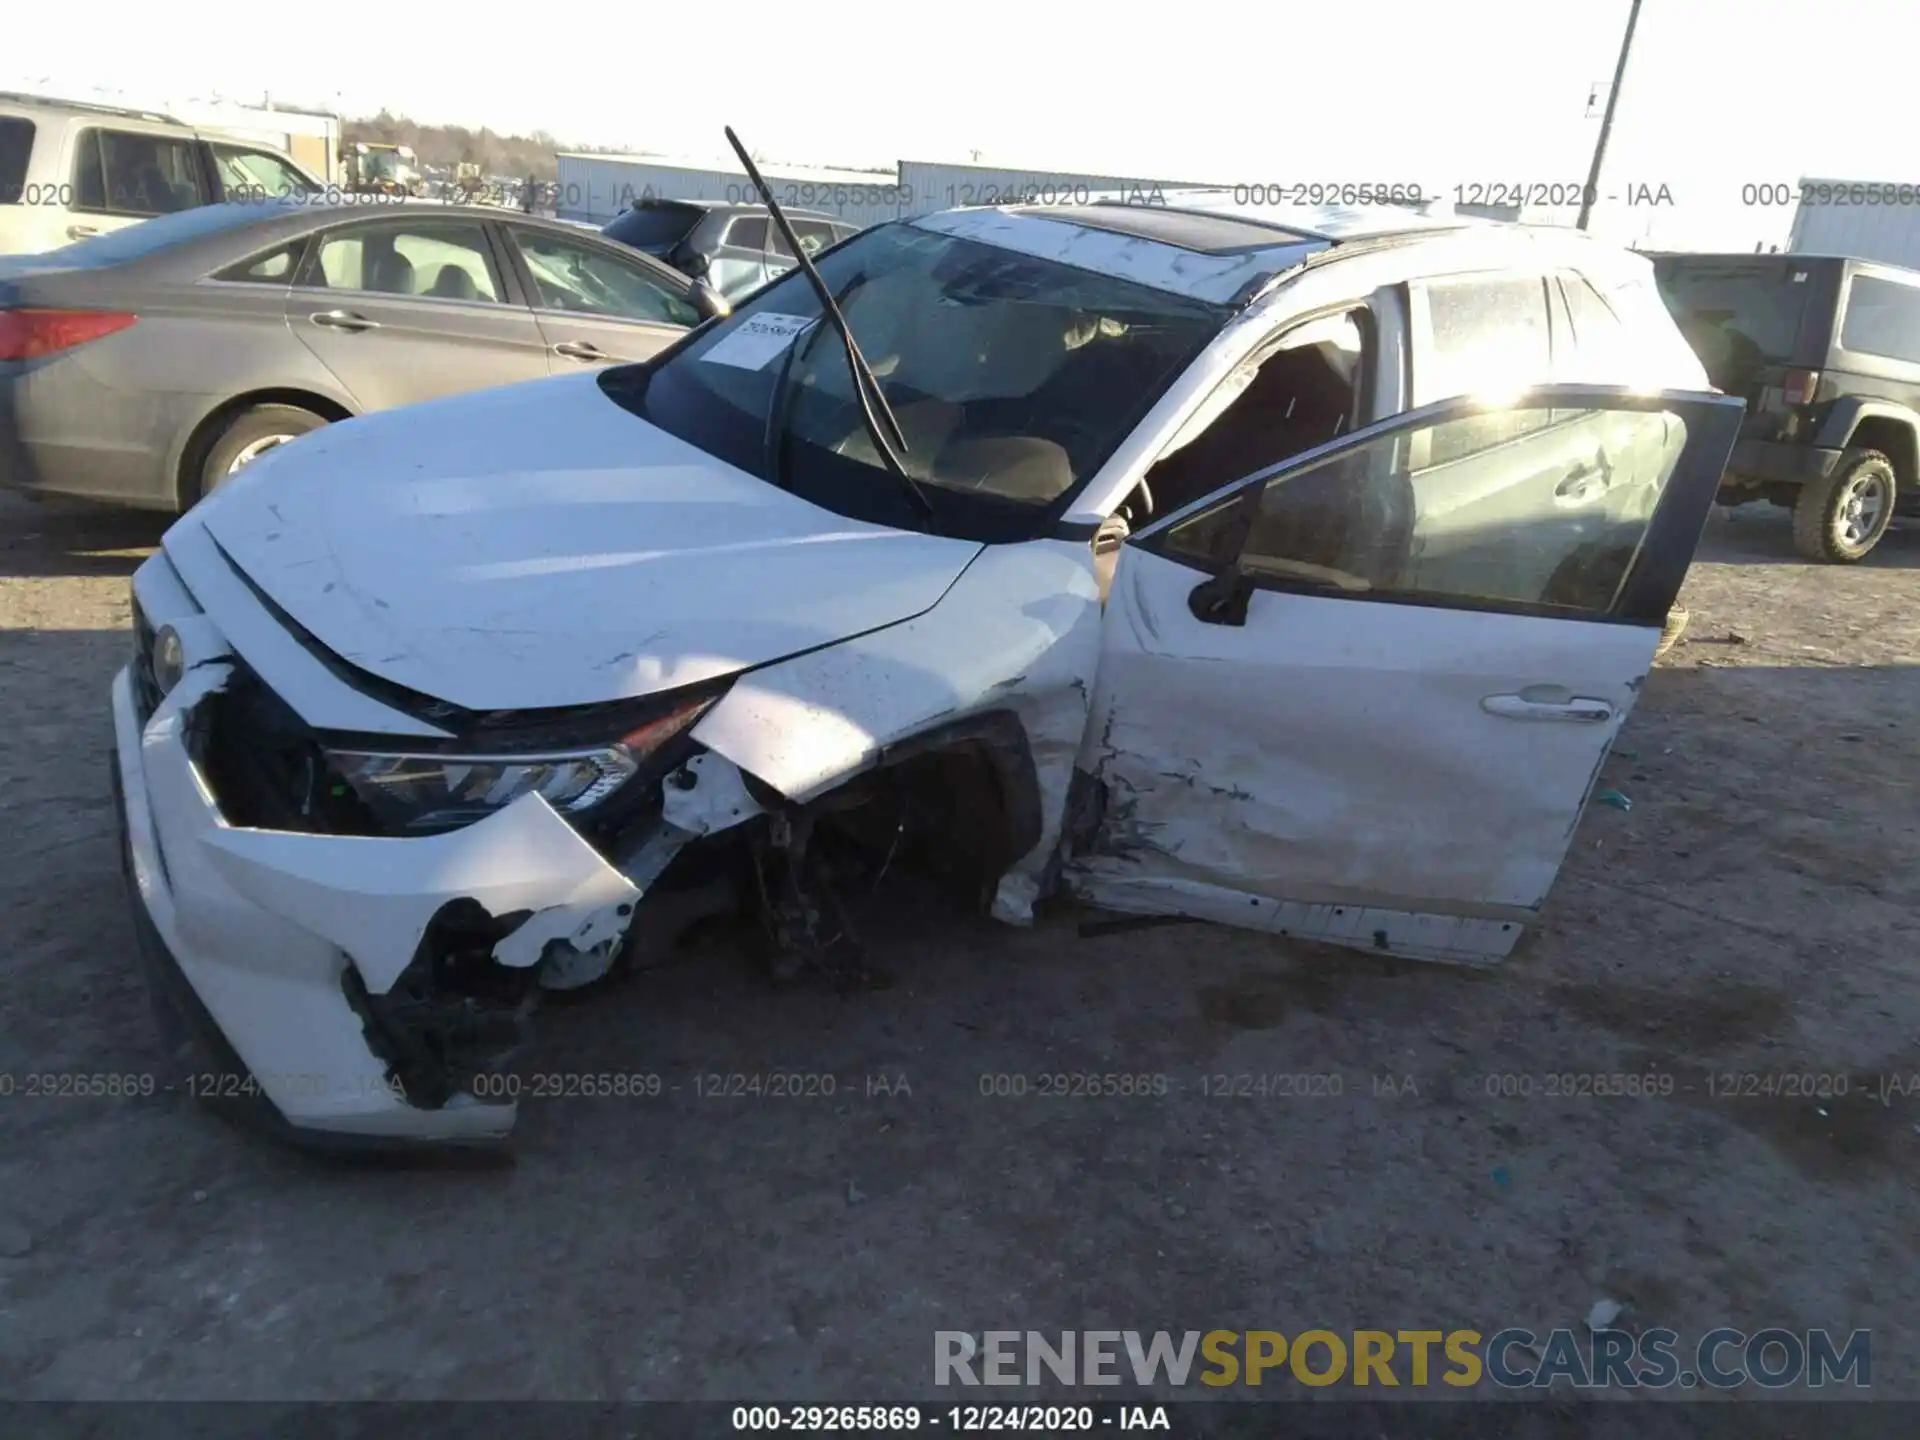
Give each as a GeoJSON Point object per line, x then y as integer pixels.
{"type": "Point", "coordinates": [273, 986]}
{"type": "Point", "coordinates": [301, 958]}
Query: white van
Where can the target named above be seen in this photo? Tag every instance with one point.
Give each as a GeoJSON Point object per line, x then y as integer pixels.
{"type": "Point", "coordinates": [70, 169]}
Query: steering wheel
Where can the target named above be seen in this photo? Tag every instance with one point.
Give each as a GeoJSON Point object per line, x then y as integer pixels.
{"type": "Point", "coordinates": [1146, 496]}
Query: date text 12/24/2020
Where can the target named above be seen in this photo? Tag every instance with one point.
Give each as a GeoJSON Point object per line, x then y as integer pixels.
{"type": "Point", "coordinates": [960, 1419]}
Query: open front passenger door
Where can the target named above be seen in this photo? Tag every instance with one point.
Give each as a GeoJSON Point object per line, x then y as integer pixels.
{"type": "Point", "coordinates": [1362, 696]}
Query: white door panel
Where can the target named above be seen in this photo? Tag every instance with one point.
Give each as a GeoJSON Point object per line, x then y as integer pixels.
{"type": "Point", "coordinates": [1377, 747]}
{"type": "Point", "coordinates": [1345, 753]}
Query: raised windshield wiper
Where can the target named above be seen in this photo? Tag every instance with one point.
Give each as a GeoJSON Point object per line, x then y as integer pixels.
{"type": "Point", "coordinates": [888, 441]}
{"type": "Point", "coordinates": [777, 407]}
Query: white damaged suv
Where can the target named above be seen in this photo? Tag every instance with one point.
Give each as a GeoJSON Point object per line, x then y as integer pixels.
{"type": "Point", "coordinates": [1290, 570]}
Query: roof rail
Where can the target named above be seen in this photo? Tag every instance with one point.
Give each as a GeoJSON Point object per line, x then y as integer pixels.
{"type": "Point", "coordinates": [1292, 232]}
{"type": "Point", "coordinates": [91, 107]}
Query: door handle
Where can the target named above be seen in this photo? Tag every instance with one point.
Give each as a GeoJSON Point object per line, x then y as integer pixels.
{"type": "Point", "coordinates": [343, 320]}
{"type": "Point", "coordinates": [1577, 712]}
{"type": "Point", "coordinates": [580, 350]}
{"type": "Point", "coordinates": [81, 232]}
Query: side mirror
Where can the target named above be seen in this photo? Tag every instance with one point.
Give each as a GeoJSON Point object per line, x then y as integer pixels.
{"type": "Point", "coordinates": [710, 302]}
{"type": "Point", "coordinates": [1221, 600]}
{"type": "Point", "coordinates": [692, 262]}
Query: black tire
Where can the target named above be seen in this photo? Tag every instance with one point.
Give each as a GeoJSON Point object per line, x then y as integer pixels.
{"type": "Point", "coordinates": [1828, 523]}
{"type": "Point", "coordinates": [249, 428]}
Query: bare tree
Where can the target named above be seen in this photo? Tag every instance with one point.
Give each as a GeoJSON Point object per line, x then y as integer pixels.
{"type": "Point", "coordinates": [449, 145]}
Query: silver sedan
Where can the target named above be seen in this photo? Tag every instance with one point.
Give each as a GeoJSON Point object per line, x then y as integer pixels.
{"type": "Point", "coordinates": [145, 366]}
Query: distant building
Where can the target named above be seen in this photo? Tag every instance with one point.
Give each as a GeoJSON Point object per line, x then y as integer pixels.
{"type": "Point", "coordinates": [1868, 220]}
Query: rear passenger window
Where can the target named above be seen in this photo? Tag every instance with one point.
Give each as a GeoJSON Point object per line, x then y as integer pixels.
{"type": "Point", "coordinates": [1599, 350]}
{"type": "Point", "coordinates": [1883, 318]}
{"type": "Point", "coordinates": [748, 234]}
{"type": "Point", "coordinates": [125, 172]}
{"type": "Point", "coordinates": [16, 144]}
{"type": "Point", "coordinates": [814, 236]}
{"type": "Point", "coordinates": [429, 260]}
{"type": "Point", "coordinates": [1485, 335]}
{"type": "Point", "coordinates": [273, 268]}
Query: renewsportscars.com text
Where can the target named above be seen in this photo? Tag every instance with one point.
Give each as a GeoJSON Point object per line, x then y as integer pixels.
{"type": "Point", "coordinates": [1511, 1359]}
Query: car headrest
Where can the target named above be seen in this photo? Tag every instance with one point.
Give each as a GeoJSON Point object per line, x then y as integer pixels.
{"type": "Point", "coordinates": [392, 273]}
{"type": "Point", "coordinates": [454, 283]}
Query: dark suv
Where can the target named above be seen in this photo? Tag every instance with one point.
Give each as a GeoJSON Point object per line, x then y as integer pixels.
{"type": "Point", "coordinates": [735, 248]}
{"type": "Point", "coordinates": [1826, 353]}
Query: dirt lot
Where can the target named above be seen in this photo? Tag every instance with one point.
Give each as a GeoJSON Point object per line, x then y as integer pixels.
{"type": "Point", "coordinates": [1753, 912]}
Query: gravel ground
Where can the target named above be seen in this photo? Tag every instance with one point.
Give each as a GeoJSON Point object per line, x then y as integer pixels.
{"type": "Point", "coordinates": [1753, 912]}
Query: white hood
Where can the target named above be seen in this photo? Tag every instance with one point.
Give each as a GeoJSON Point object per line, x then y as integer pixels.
{"type": "Point", "coordinates": [539, 546]}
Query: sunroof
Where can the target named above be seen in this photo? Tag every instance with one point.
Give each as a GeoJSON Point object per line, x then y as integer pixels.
{"type": "Point", "coordinates": [1188, 229]}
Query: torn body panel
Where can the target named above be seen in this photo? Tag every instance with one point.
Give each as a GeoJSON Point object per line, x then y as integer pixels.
{"type": "Point", "coordinates": [364, 981]}
{"type": "Point", "coordinates": [373, 896]}
{"type": "Point", "coordinates": [1240, 767]}
{"type": "Point", "coordinates": [1018, 633]}
{"type": "Point", "coordinates": [273, 987]}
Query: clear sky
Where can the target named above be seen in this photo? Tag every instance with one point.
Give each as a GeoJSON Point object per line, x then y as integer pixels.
{"type": "Point", "coordinates": [1719, 95]}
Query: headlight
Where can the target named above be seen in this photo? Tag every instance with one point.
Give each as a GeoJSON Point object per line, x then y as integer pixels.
{"type": "Point", "coordinates": [169, 659]}
{"type": "Point", "coordinates": [439, 791]}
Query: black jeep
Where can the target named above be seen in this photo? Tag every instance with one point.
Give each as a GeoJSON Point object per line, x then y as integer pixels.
{"type": "Point", "coordinates": [1826, 351]}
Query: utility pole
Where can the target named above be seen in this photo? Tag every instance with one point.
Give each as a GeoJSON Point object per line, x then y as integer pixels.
{"type": "Point", "coordinates": [1591, 193]}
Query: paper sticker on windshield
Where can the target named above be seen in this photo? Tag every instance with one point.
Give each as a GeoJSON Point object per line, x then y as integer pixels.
{"type": "Point", "coordinates": [757, 339]}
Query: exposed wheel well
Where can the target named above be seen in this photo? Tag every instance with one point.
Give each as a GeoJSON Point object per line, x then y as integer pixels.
{"type": "Point", "coordinates": [186, 480]}
{"type": "Point", "coordinates": [1896, 441]}
{"type": "Point", "coordinates": [970, 788]}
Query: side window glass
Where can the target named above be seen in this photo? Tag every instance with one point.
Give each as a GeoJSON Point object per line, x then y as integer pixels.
{"type": "Point", "coordinates": [1304, 392]}
{"type": "Point", "coordinates": [1883, 318]}
{"type": "Point", "coordinates": [273, 268]}
{"type": "Point", "coordinates": [814, 236]}
{"type": "Point", "coordinates": [336, 263]}
{"type": "Point", "coordinates": [435, 260]}
{"type": "Point", "coordinates": [256, 174]}
{"type": "Point", "coordinates": [16, 148]}
{"type": "Point", "coordinates": [1488, 335]}
{"type": "Point", "coordinates": [89, 180]}
{"type": "Point", "coordinates": [1598, 354]}
{"type": "Point", "coordinates": [1553, 519]}
{"type": "Point", "coordinates": [581, 279]}
{"type": "Point", "coordinates": [125, 172]}
{"type": "Point", "coordinates": [748, 233]}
